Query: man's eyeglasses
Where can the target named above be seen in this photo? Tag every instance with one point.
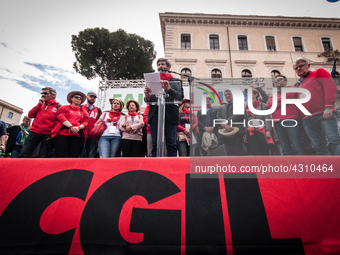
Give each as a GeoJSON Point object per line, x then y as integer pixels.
{"type": "Point", "coordinates": [78, 97]}
{"type": "Point", "coordinates": [300, 66]}
{"type": "Point", "coordinates": [279, 79]}
{"type": "Point", "coordinates": [254, 93]}
{"type": "Point", "coordinates": [44, 93]}
{"type": "Point", "coordinates": [208, 98]}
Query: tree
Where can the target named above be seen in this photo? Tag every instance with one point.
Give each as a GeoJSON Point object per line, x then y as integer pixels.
{"type": "Point", "coordinates": [112, 55]}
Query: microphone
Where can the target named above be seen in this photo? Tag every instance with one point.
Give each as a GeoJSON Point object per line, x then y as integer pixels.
{"type": "Point", "coordinates": [164, 69]}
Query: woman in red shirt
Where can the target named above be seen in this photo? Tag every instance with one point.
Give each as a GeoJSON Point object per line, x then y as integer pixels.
{"type": "Point", "coordinates": [70, 132]}
{"type": "Point", "coordinates": [184, 134]}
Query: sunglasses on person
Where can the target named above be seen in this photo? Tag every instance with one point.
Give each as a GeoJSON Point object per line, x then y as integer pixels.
{"type": "Point", "coordinates": [300, 66]}
{"type": "Point", "coordinates": [78, 97]}
{"type": "Point", "coordinates": [279, 79]}
{"type": "Point", "coordinates": [44, 93]}
{"type": "Point", "coordinates": [208, 98]}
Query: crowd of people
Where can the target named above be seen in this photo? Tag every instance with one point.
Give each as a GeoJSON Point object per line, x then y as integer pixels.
{"type": "Point", "coordinates": [293, 133]}
{"type": "Point", "coordinates": [64, 131]}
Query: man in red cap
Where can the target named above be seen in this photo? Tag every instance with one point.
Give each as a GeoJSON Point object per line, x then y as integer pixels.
{"type": "Point", "coordinates": [323, 119]}
{"type": "Point", "coordinates": [94, 114]}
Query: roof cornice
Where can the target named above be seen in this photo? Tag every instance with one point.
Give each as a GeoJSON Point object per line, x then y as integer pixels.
{"type": "Point", "coordinates": [11, 106]}
{"type": "Point", "coordinates": [248, 20]}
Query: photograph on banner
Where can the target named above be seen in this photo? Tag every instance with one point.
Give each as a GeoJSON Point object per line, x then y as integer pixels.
{"type": "Point", "coordinates": [276, 116]}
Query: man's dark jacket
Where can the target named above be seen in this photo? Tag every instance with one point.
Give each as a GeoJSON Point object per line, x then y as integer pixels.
{"type": "Point", "coordinates": [12, 136]}
{"type": "Point", "coordinates": [226, 113]}
{"type": "Point", "coordinates": [171, 110]}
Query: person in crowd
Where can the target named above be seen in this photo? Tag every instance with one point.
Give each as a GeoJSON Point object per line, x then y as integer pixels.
{"type": "Point", "coordinates": [45, 119]}
{"type": "Point", "coordinates": [94, 114]}
{"type": "Point", "coordinates": [148, 131]}
{"type": "Point", "coordinates": [131, 126]}
{"type": "Point", "coordinates": [17, 136]}
{"type": "Point", "coordinates": [263, 95]}
{"type": "Point", "coordinates": [109, 142]}
{"type": "Point", "coordinates": [2, 136]}
{"type": "Point", "coordinates": [234, 144]}
{"type": "Point", "coordinates": [287, 127]}
{"type": "Point", "coordinates": [258, 129]}
{"type": "Point", "coordinates": [206, 124]}
{"type": "Point", "coordinates": [174, 92]}
{"type": "Point", "coordinates": [144, 150]}
{"type": "Point", "coordinates": [70, 132]}
{"type": "Point", "coordinates": [321, 106]}
{"type": "Point", "coordinates": [184, 131]}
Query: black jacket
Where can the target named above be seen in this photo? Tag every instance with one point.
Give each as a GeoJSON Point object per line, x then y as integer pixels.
{"type": "Point", "coordinates": [223, 113]}
{"type": "Point", "coordinates": [206, 120]}
{"type": "Point", "coordinates": [12, 135]}
{"type": "Point", "coordinates": [171, 110]}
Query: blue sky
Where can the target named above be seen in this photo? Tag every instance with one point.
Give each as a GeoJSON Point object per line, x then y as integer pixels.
{"type": "Point", "coordinates": [35, 35]}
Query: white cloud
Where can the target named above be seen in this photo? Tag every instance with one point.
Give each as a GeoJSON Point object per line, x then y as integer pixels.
{"type": "Point", "coordinates": [15, 94]}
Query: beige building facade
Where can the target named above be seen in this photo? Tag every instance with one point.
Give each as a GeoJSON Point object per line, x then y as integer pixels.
{"type": "Point", "coordinates": [10, 113]}
{"type": "Point", "coordinates": [233, 46]}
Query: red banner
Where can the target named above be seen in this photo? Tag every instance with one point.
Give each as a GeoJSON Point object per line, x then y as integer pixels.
{"type": "Point", "coordinates": [155, 206]}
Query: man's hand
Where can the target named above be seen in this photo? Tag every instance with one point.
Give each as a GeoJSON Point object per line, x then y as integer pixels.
{"type": "Point", "coordinates": [228, 128]}
{"type": "Point", "coordinates": [128, 129]}
{"type": "Point", "coordinates": [327, 114]}
{"type": "Point", "coordinates": [186, 131]}
{"type": "Point", "coordinates": [268, 134]}
{"type": "Point", "coordinates": [147, 91]}
{"type": "Point", "coordinates": [210, 130]}
{"type": "Point", "coordinates": [41, 100]}
{"type": "Point", "coordinates": [2, 147]}
{"type": "Point", "coordinates": [165, 85]}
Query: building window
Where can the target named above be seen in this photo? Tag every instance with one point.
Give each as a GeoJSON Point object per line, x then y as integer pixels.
{"type": "Point", "coordinates": [10, 115]}
{"type": "Point", "coordinates": [216, 73]}
{"type": "Point", "coordinates": [246, 73]}
{"type": "Point", "coordinates": [274, 73]}
{"type": "Point", "coordinates": [297, 43]}
{"type": "Point", "coordinates": [326, 43]}
{"type": "Point", "coordinates": [242, 42]}
{"type": "Point", "coordinates": [270, 41]}
{"type": "Point", "coordinates": [214, 45]}
{"type": "Point", "coordinates": [185, 41]}
{"type": "Point", "coordinates": [186, 71]}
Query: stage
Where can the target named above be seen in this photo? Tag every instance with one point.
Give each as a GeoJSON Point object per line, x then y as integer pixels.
{"type": "Point", "coordinates": [211, 205]}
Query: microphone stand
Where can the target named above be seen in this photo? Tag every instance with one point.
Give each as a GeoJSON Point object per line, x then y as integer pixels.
{"type": "Point", "coordinates": [190, 78]}
{"type": "Point", "coordinates": [161, 115]}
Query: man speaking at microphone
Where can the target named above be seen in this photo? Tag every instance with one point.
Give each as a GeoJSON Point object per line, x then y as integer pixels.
{"type": "Point", "coordinates": [171, 108]}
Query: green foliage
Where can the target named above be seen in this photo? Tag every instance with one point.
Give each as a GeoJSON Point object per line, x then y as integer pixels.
{"type": "Point", "coordinates": [112, 55]}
